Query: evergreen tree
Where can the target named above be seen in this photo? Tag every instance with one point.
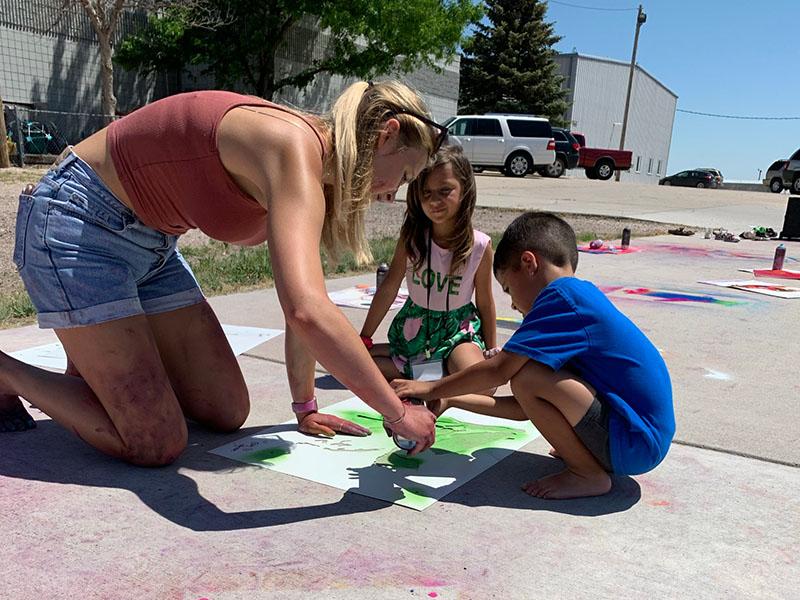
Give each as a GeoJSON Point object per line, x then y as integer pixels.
{"type": "Point", "coordinates": [507, 65]}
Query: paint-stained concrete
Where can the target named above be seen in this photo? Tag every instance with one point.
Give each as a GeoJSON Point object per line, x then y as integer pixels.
{"type": "Point", "coordinates": [704, 524]}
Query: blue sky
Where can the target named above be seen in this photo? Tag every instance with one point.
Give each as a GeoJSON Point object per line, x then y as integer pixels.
{"type": "Point", "coordinates": [735, 57]}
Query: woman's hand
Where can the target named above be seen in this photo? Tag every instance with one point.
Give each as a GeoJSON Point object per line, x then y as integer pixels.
{"type": "Point", "coordinates": [417, 424]}
{"type": "Point", "coordinates": [317, 423]}
{"type": "Point", "coordinates": [406, 388]}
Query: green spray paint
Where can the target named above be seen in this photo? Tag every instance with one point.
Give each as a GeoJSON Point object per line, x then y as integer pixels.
{"type": "Point", "coordinates": [400, 459]}
{"type": "Point", "coordinates": [463, 438]}
{"type": "Point", "coordinates": [452, 435]}
{"type": "Point", "coordinates": [266, 455]}
{"type": "Point", "coordinates": [370, 420]}
{"type": "Point", "coordinates": [415, 498]}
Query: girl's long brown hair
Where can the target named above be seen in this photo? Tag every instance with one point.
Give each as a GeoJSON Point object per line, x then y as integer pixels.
{"type": "Point", "coordinates": [417, 225]}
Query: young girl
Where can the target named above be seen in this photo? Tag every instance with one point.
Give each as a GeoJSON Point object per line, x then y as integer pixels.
{"type": "Point", "coordinates": [439, 330]}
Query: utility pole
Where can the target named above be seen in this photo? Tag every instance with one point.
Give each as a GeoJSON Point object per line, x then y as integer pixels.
{"type": "Point", "coordinates": [641, 17]}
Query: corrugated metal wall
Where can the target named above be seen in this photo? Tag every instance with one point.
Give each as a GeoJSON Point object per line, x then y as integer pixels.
{"type": "Point", "coordinates": [598, 105]}
{"type": "Point", "coordinates": [52, 64]}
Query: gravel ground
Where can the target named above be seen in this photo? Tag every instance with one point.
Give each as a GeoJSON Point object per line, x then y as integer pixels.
{"type": "Point", "coordinates": [383, 220]}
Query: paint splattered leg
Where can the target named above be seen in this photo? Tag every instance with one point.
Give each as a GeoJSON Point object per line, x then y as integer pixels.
{"type": "Point", "coordinates": [13, 416]}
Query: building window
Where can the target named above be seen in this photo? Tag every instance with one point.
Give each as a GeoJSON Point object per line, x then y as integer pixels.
{"type": "Point", "coordinates": [638, 164]}
{"type": "Point", "coordinates": [650, 167]}
{"type": "Point", "coordinates": [658, 170]}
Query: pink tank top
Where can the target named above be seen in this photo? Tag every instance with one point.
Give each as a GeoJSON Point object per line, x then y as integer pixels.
{"type": "Point", "coordinates": [459, 286]}
{"type": "Point", "coordinates": [167, 160]}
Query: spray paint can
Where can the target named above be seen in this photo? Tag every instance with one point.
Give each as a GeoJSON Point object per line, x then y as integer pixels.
{"type": "Point", "coordinates": [400, 441]}
{"type": "Point", "coordinates": [380, 274]}
{"type": "Point", "coordinates": [626, 238]}
{"type": "Point", "coordinates": [780, 256]}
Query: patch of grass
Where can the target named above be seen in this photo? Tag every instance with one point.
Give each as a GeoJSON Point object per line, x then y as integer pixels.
{"type": "Point", "coordinates": [222, 268]}
{"type": "Point", "coordinates": [22, 176]}
{"type": "Point", "coordinates": [15, 309]}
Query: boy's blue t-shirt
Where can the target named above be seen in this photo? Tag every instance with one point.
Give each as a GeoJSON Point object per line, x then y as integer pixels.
{"type": "Point", "coordinates": [573, 326]}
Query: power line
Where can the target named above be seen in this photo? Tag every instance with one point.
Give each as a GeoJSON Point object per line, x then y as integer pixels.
{"type": "Point", "coordinates": [741, 117]}
{"type": "Point", "coordinates": [590, 7]}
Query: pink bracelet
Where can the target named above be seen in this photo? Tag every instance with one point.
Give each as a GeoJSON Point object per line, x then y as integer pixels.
{"type": "Point", "coordinates": [367, 341]}
{"type": "Point", "coordinates": [304, 407]}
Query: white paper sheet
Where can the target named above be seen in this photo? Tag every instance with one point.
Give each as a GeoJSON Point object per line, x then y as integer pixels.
{"type": "Point", "coordinates": [759, 286]}
{"type": "Point", "coordinates": [361, 296]}
{"type": "Point", "coordinates": [53, 357]}
{"type": "Point", "coordinates": [467, 444]}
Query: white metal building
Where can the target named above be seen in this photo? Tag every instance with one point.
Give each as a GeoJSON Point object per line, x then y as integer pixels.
{"type": "Point", "coordinates": [597, 88]}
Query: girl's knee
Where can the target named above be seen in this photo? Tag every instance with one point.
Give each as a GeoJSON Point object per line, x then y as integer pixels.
{"type": "Point", "coordinates": [234, 415]}
{"type": "Point", "coordinates": [155, 448]}
{"type": "Point", "coordinates": [229, 413]}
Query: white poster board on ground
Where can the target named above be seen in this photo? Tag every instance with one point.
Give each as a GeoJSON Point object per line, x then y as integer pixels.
{"type": "Point", "coordinates": [466, 445]}
{"type": "Point", "coordinates": [360, 296]}
{"type": "Point", "coordinates": [53, 357]}
{"type": "Point", "coordinates": [759, 287]}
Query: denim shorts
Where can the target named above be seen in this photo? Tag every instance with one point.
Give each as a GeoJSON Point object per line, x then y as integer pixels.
{"type": "Point", "coordinates": [85, 258]}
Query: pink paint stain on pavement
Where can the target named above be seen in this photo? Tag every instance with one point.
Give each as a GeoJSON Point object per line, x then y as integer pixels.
{"type": "Point", "coordinates": [430, 582]}
{"type": "Point", "coordinates": [432, 594]}
{"type": "Point", "coordinates": [704, 252]}
{"type": "Point", "coordinates": [667, 296]}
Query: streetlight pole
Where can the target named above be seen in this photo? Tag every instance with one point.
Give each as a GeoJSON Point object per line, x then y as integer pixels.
{"type": "Point", "coordinates": [641, 17]}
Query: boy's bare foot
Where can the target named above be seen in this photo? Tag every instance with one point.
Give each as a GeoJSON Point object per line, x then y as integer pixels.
{"type": "Point", "coordinates": [554, 453]}
{"type": "Point", "coordinates": [13, 416]}
{"type": "Point", "coordinates": [568, 484]}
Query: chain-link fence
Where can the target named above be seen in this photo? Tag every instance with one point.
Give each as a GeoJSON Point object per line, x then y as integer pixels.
{"type": "Point", "coordinates": [35, 136]}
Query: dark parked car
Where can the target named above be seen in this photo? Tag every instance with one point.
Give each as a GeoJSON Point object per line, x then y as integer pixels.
{"type": "Point", "coordinates": [774, 176]}
{"type": "Point", "coordinates": [567, 154]}
{"type": "Point", "coordinates": [715, 172]}
{"type": "Point", "coordinates": [784, 174]}
{"type": "Point", "coordinates": [700, 179]}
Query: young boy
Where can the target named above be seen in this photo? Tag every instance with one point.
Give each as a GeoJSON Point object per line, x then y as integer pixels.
{"type": "Point", "coordinates": [585, 375]}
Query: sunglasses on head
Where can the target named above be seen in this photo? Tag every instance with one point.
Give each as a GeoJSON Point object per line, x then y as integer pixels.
{"type": "Point", "coordinates": [442, 135]}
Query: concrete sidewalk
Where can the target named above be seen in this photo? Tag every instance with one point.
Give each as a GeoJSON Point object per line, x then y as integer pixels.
{"type": "Point", "coordinates": [720, 518]}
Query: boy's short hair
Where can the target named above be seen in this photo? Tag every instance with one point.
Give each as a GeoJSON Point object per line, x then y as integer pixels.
{"type": "Point", "coordinates": [542, 233]}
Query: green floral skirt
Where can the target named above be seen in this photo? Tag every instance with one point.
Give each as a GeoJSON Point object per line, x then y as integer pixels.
{"type": "Point", "coordinates": [415, 328]}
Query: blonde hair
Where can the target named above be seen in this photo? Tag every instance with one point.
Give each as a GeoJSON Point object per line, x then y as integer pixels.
{"type": "Point", "coordinates": [355, 122]}
{"type": "Point", "coordinates": [417, 226]}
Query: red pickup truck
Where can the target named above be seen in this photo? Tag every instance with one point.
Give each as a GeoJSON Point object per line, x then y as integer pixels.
{"type": "Point", "coordinates": [600, 163]}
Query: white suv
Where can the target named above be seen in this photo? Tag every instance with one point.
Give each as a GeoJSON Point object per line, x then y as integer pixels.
{"type": "Point", "coordinates": [513, 144]}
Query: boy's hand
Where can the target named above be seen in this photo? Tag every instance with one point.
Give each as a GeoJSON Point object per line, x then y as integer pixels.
{"type": "Point", "coordinates": [406, 388]}
{"type": "Point", "coordinates": [317, 423]}
{"type": "Point", "coordinates": [490, 352]}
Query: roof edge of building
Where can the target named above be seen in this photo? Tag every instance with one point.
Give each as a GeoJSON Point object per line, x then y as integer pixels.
{"type": "Point", "coordinates": [618, 62]}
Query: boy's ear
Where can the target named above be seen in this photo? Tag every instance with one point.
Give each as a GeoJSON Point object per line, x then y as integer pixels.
{"type": "Point", "coordinates": [529, 262]}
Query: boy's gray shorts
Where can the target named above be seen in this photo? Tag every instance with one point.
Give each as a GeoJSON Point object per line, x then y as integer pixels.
{"type": "Point", "coordinates": [592, 430]}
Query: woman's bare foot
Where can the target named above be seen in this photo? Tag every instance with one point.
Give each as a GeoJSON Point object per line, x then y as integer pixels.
{"type": "Point", "coordinates": [568, 484]}
{"type": "Point", "coordinates": [13, 416]}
